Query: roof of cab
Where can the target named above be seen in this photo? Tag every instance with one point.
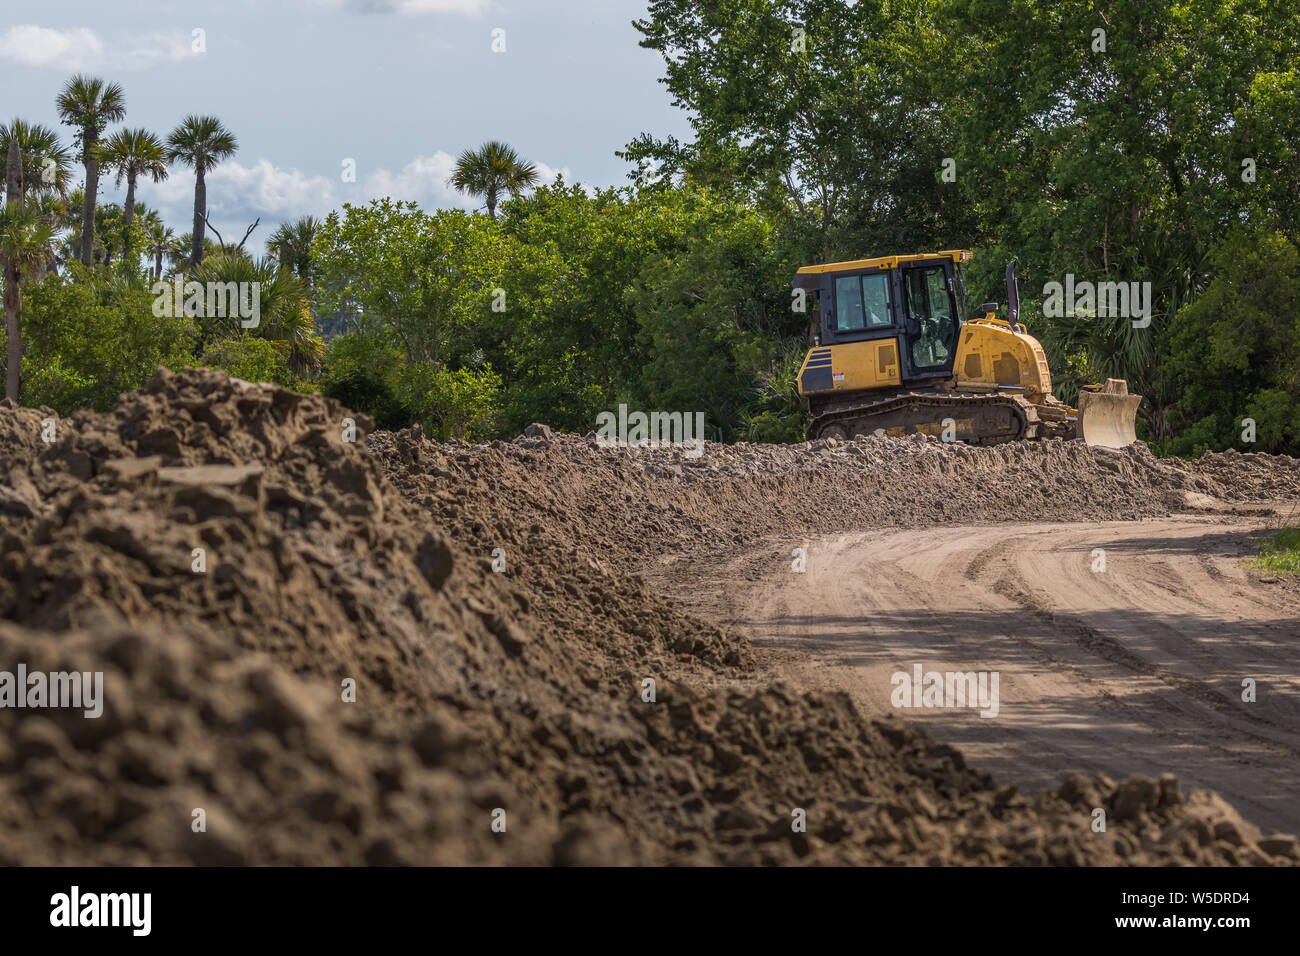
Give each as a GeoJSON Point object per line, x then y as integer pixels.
{"type": "Point", "coordinates": [888, 262]}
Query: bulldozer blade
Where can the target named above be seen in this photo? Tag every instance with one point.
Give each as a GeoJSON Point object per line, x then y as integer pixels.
{"type": "Point", "coordinates": [1108, 415]}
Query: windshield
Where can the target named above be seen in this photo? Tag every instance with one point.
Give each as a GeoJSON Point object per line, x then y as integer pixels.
{"type": "Point", "coordinates": [960, 283]}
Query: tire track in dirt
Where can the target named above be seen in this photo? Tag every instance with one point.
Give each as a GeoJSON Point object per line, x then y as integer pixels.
{"type": "Point", "coordinates": [1137, 669]}
{"type": "Point", "coordinates": [1098, 643]}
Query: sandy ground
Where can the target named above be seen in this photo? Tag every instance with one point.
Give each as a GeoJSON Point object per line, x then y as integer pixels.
{"type": "Point", "coordinates": [1130, 670]}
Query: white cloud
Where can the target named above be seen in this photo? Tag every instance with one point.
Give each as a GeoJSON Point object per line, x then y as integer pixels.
{"type": "Point", "coordinates": [468, 8]}
{"type": "Point", "coordinates": [465, 8]}
{"type": "Point", "coordinates": [239, 194]}
{"type": "Point", "coordinates": [546, 175]}
{"type": "Point", "coordinates": [33, 45]}
{"type": "Point", "coordinates": [266, 189]}
{"type": "Point", "coordinates": [423, 180]}
{"type": "Point", "coordinates": [82, 49]}
{"type": "Point", "coordinates": [154, 48]}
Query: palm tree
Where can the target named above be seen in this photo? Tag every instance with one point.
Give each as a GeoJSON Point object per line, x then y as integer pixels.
{"type": "Point", "coordinates": [25, 235]}
{"type": "Point", "coordinates": [285, 317]}
{"type": "Point", "coordinates": [291, 245]}
{"type": "Point", "coordinates": [490, 170]}
{"type": "Point", "coordinates": [158, 239]}
{"type": "Point", "coordinates": [45, 160]}
{"type": "Point", "coordinates": [90, 104]}
{"type": "Point", "coordinates": [200, 142]}
{"type": "Point", "coordinates": [130, 153]}
{"type": "Point", "coordinates": [181, 251]}
{"type": "Point", "coordinates": [44, 173]}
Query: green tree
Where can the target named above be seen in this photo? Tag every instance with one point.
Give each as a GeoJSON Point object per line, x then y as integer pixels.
{"type": "Point", "coordinates": [290, 244]}
{"type": "Point", "coordinates": [816, 105]}
{"type": "Point", "coordinates": [284, 316]}
{"type": "Point", "coordinates": [45, 160]}
{"type": "Point", "coordinates": [92, 335]}
{"type": "Point", "coordinates": [567, 338]}
{"type": "Point", "coordinates": [1267, 129]}
{"type": "Point", "coordinates": [25, 235]}
{"type": "Point", "coordinates": [715, 315]}
{"type": "Point", "coordinates": [249, 358]}
{"type": "Point", "coordinates": [1106, 142]}
{"type": "Point", "coordinates": [412, 277]}
{"type": "Point", "coordinates": [44, 174]}
{"type": "Point", "coordinates": [182, 248]}
{"type": "Point", "coordinates": [417, 286]}
{"type": "Point", "coordinates": [131, 153]}
{"type": "Point", "coordinates": [89, 104]}
{"type": "Point", "coordinates": [159, 238]}
{"type": "Point", "coordinates": [491, 170]}
{"type": "Point", "coordinates": [110, 233]}
{"type": "Point", "coordinates": [1234, 353]}
{"type": "Point", "coordinates": [361, 372]}
{"type": "Point", "coordinates": [200, 142]}
{"type": "Point", "coordinates": [670, 299]}
{"type": "Point", "coordinates": [775, 411]}
{"type": "Point", "coordinates": [451, 403]}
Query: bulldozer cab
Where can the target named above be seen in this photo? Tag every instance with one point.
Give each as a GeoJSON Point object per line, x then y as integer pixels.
{"type": "Point", "coordinates": [916, 301]}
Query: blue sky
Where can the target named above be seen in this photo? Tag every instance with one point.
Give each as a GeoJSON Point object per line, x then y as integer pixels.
{"type": "Point", "coordinates": [399, 86]}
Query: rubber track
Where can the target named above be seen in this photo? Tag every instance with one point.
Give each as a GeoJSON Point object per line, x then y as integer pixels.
{"type": "Point", "coordinates": [1026, 411]}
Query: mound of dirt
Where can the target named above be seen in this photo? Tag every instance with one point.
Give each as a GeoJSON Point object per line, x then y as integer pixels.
{"type": "Point", "coordinates": [628, 505]}
{"type": "Point", "coordinates": [395, 651]}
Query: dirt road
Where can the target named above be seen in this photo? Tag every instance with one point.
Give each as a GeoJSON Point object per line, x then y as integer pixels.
{"type": "Point", "coordinates": [1137, 668]}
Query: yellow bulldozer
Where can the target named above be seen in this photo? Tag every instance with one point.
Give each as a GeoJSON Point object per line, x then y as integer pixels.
{"type": "Point", "coordinates": [892, 354]}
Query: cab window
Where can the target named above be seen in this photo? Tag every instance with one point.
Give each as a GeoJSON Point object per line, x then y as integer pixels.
{"type": "Point", "coordinates": [848, 304]}
{"type": "Point", "coordinates": [930, 308]}
{"type": "Point", "coordinates": [862, 302]}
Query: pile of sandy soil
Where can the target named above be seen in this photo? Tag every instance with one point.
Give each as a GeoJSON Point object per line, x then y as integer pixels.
{"type": "Point", "coordinates": [642, 502]}
{"type": "Point", "coordinates": [482, 696]}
